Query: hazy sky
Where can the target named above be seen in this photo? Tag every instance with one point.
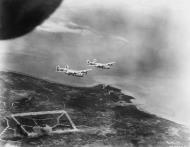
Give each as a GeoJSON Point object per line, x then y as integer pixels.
{"type": "Point", "coordinates": [147, 39]}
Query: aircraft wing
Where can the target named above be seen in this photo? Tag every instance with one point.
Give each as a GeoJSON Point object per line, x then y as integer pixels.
{"type": "Point", "coordinates": [84, 71]}
{"type": "Point", "coordinates": [87, 69]}
{"type": "Point", "coordinates": [71, 72]}
{"type": "Point", "coordinates": [110, 63]}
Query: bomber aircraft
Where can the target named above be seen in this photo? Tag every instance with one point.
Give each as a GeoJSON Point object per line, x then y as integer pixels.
{"type": "Point", "coordinates": [68, 71]}
{"type": "Point", "coordinates": [100, 65]}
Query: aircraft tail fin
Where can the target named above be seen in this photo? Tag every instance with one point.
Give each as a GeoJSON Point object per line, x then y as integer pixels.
{"type": "Point", "coordinates": [66, 66]}
{"type": "Point", "coordinates": [57, 68]}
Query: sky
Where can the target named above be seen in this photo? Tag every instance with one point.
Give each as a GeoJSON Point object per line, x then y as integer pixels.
{"type": "Point", "coordinates": [147, 39]}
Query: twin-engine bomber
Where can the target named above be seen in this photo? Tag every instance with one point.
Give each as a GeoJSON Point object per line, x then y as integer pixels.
{"type": "Point", "coordinates": [81, 73]}
{"type": "Point", "coordinates": [77, 73]}
{"type": "Point", "coordinates": [100, 65]}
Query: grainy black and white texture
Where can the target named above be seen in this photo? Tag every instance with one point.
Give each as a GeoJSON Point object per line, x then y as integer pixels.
{"type": "Point", "coordinates": [143, 100]}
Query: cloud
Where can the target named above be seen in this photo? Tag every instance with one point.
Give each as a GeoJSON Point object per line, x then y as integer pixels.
{"type": "Point", "coordinates": [62, 27]}
{"type": "Point", "coordinates": [148, 46]}
{"type": "Point", "coordinates": [4, 45]}
{"type": "Point", "coordinates": [137, 42]}
{"type": "Point", "coordinates": [70, 27]}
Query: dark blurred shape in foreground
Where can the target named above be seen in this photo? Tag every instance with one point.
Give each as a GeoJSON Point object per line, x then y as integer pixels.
{"type": "Point", "coordinates": [18, 17]}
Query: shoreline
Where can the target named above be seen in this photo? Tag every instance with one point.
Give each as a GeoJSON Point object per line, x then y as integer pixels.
{"type": "Point", "coordinates": [136, 101]}
{"type": "Point", "coordinates": [106, 109]}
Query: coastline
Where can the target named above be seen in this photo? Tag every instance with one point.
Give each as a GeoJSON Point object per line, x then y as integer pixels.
{"type": "Point", "coordinates": [138, 102]}
{"type": "Point", "coordinates": [103, 113]}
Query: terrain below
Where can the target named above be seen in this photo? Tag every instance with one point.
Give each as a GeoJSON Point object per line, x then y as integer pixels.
{"type": "Point", "coordinates": [106, 116]}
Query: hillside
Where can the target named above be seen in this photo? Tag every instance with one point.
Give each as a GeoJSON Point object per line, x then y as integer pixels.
{"type": "Point", "coordinates": [107, 116]}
